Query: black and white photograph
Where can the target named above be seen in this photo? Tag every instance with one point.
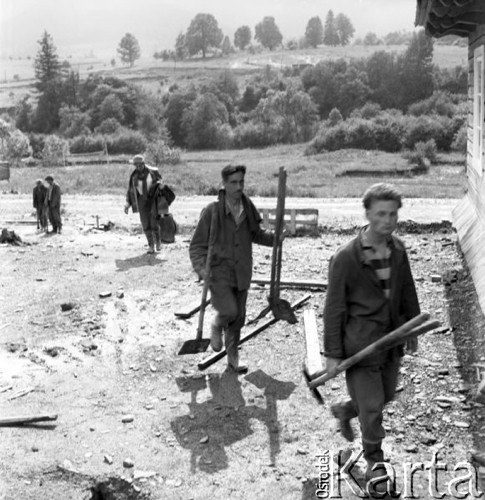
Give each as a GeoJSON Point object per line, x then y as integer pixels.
{"type": "Point", "coordinates": [242, 249]}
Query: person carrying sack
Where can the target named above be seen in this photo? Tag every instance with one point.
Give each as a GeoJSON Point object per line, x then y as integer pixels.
{"type": "Point", "coordinates": [140, 197]}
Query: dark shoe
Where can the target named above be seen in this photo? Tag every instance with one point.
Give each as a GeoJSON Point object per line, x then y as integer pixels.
{"type": "Point", "coordinates": [216, 336]}
{"type": "Point", "coordinates": [240, 368]}
{"type": "Point", "coordinates": [340, 413]}
{"type": "Point", "coordinates": [158, 247]}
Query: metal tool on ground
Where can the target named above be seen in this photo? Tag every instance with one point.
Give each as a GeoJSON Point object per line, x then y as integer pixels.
{"type": "Point", "coordinates": [414, 327]}
{"type": "Point", "coordinates": [189, 314]}
{"type": "Point", "coordinates": [29, 419]}
{"type": "Point", "coordinates": [280, 308]}
{"type": "Point", "coordinates": [219, 355]}
{"type": "Point", "coordinates": [199, 344]}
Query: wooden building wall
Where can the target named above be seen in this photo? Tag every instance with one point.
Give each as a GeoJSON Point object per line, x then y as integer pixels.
{"type": "Point", "coordinates": [469, 214]}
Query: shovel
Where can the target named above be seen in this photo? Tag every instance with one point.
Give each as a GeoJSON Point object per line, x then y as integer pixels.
{"type": "Point", "coordinates": [200, 344]}
{"type": "Point", "coordinates": [280, 308]}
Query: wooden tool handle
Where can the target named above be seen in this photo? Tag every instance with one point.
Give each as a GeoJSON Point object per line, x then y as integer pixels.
{"type": "Point", "coordinates": [410, 328]}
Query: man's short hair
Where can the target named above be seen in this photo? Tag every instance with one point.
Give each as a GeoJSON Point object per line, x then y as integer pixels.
{"type": "Point", "coordinates": [137, 159]}
{"type": "Point", "coordinates": [49, 178]}
{"type": "Point", "coordinates": [39, 181]}
{"type": "Point", "coordinates": [232, 169]}
{"type": "Point", "coordinates": [381, 192]}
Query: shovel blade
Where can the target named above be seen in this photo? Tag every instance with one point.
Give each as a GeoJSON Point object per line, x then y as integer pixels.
{"type": "Point", "coordinates": [194, 346]}
{"type": "Point", "coordinates": [282, 310]}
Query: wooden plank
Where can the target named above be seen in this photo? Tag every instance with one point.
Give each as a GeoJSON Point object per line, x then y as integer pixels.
{"type": "Point", "coordinates": [313, 357]}
{"type": "Point", "coordinates": [293, 283]}
{"type": "Point", "coordinates": [293, 221]}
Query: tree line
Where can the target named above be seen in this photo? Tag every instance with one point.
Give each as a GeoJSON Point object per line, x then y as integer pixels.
{"type": "Point", "coordinates": [318, 104]}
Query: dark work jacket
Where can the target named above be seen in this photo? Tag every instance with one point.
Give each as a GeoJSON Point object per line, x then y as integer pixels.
{"type": "Point", "coordinates": [132, 193]}
{"type": "Point", "coordinates": [356, 311]}
{"type": "Point", "coordinates": [55, 201]}
{"type": "Point", "coordinates": [232, 244]}
{"type": "Point", "coordinates": [39, 195]}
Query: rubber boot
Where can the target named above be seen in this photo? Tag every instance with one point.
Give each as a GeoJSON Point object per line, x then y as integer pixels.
{"type": "Point", "coordinates": [149, 236]}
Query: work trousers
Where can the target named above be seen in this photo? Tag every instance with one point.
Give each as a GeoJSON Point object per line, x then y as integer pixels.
{"type": "Point", "coordinates": [148, 219]}
{"type": "Point", "coordinates": [55, 218]}
{"type": "Point", "coordinates": [370, 388]}
{"type": "Point", "coordinates": [230, 306]}
{"type": "Point", "coordinates": [41, 217]}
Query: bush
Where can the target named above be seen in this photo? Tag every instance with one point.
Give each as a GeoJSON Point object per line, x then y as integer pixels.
{"type": "Point", "coordinates": [423, 155]}
{"type": "Point", "coordinates": [108, 126]}
{"type": "Point", "coordinates": [440, 103]}
{"type": "Point", "coordinates": [87, 144]}
{"type": "Point", "coordinates": [17, 146]}
{"type": "Point", "coordinates": [460, 141]}
{"type": "Point", "coordinates": [55, 151]}
{"type": "Point", "coordinates": [251, 135]}
{"type": "Point", "coordinates": [127, 142]}
{"type": "Point", "coordinates": [425, 128]}
{"type": "Point", "coordinates": [37, 142]}
{"type": "Point", "coordinates": [160, 153]}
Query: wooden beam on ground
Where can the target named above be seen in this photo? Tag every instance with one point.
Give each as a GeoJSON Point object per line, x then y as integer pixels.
{"type": "Point", "coordinates": [313, 362]}
{"type": "Point", "coordinates": [305, 284]}
{"type": "Point", "coordinates": [27, 419]}
{"type": "Point", "coordinates": [219, 355]}
{"type": "Point", "coordinates": [313, 357]}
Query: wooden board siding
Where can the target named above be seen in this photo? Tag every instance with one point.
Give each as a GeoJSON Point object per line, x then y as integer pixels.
{"type": "Point", "coordinates": [469, 214]}
{"type": "Point", "coordinates": [470, 227]}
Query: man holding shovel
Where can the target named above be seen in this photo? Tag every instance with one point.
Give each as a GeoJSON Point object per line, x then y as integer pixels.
{"type": "Point", "coordinates": [370, 292]}
{"type": "Point", "coordinates": [237, 225]}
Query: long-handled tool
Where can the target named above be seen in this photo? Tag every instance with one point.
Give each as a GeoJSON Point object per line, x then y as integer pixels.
{"type": "Point", "coordinates": [414, 327]}
{"type": "Point", "coordinates": [188, 314]}
{"type": "Point", "coordinates": [248, 336]}
{"type": "Point", "coordinates": [200, 344]}
{"type": "Point", "coordinates": [280, 308]}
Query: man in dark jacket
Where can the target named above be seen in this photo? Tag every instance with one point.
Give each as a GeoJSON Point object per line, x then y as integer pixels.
{"type": "Point", "coordinates": [370, 292]}
{"type": "Point", "coordinates": [140, 197]}
{"type": "Point", "coordinates": [54, 204]}
{"type": "Point", "coordinates": [237, 226]}
{"type": "Point", "coordinates": [39, 200]}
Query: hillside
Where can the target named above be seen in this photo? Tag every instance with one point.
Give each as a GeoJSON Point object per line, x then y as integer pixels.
{"type": "Point", "coordinates": [18, 75]}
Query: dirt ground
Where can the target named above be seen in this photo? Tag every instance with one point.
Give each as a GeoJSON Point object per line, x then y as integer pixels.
{"type": "Point", "coordinates": [88, 332]}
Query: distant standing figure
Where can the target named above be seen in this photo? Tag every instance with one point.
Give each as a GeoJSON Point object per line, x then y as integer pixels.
{"type": "Point", "coordinates": [39, 195]}
{"type": "Point", "coordinates": [140, 197]}
{"type": "Point", "coordinates": [54, 204]}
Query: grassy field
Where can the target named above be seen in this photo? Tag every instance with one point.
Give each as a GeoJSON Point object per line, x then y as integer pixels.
{"type": "Point", "coordinates": [321, 176]}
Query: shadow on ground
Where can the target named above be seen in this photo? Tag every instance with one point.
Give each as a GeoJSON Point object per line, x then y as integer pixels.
{"type": "Point", "coordinates": [223, 418]}
{"type": "Point", "coordinates": [139, 261]}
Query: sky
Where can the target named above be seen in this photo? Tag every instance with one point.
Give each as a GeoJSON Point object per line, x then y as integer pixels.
{"type": "Point", "coordinates": [83, 27]}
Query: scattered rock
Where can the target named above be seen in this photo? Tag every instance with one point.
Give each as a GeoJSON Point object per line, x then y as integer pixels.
{"type": "Point", "coordinates": [67, 306]}
{"type": "Point", "coordinates": [104, 295]}
{"type": "Point", "coordinates": [204, 440]}
{"type": "Point", "coordinates": [52, 351]}
{"type": "Point", "coordinates": [428, 439]}
{"type": "Point", "coordinates": [108, 459]}
{"type": "Point", "coordinates": [128, 463]}
{"type": "Point", "coordinates": [435, 278]}
{"type": "Point", "coordinates": [120, 293]}
{"type": "Point", "coordinates": [461, 425]}
{"type": "Point", "coordinates": [126, 419]}
{"type": "Point", "coordinates": [299, 451]}
{"type": "Point", "coordinates": [412, 448]}
{"type": "Point", "coordinates": [35, 448]}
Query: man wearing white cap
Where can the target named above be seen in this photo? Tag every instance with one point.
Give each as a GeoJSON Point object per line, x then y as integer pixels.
{"type": "Point", "coordinates": [140, 197]}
